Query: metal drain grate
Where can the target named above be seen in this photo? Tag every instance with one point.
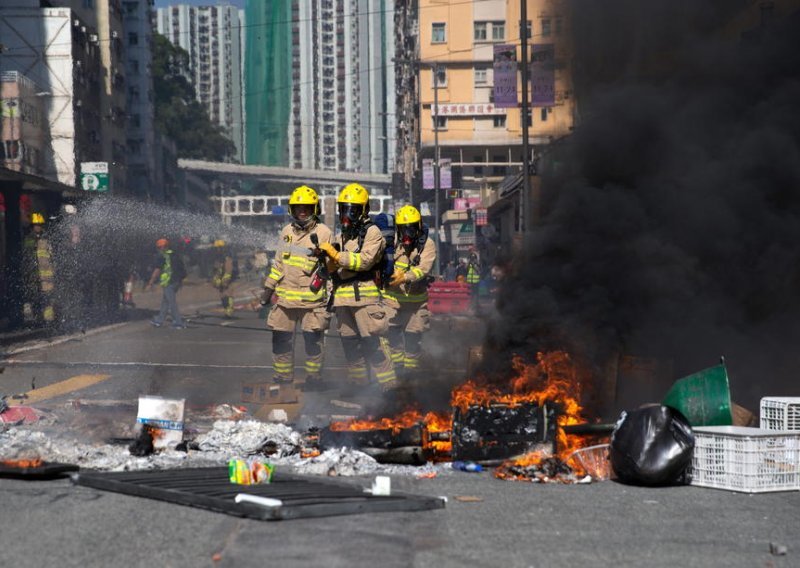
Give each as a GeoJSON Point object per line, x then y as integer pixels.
{"type": "Point", "coordinates": [209, 488]}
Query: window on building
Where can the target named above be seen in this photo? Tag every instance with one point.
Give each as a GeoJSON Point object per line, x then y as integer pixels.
{"type": "Point", "coordinates": [499, 121]}
{"type": "Point", "coordinates": [441, 76]}
{"type": "Point", "coordinates": [498, 170]}
{"type": "Point", "coordinates": [559, 26]}
{"type": "Point", "coordinates": [498, 31]}
{"type": "Point", "coordinates": [438, 32]}
{"type": "Point", "coordinates": [530, 29]}
{"type": "Point", "coordinates": [544, 114]}
{"type": "Point", "coordinates": [480, 31]}
{"type": "Point", "coordinates": [546, 27]}
{"type": "Point", "coordinates": [481, 75]}
{"type": "Point", "coordinates": [440, 123]}
{"type": "Point", "coordinates": [136, 120]}
{"type": "Point", "coordinates": [134, 66]}
{"type": "Point", "coordinates": [133, 38]}
{"type": "Point", "coordinates": [530, 118]}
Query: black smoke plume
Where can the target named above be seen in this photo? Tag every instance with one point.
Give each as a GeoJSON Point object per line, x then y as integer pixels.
{"type": "Point", "coordinates": [671, 215]}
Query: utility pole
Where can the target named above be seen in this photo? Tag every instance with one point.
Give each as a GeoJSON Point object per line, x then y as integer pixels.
{"type": "Point", "coordinates": [526, 197]}
{"type": "Point", "coordinates": [436, 158]}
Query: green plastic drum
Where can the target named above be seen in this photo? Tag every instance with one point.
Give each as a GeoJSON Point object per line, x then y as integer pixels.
{"type": "Point", "coordinates": [704, 398]}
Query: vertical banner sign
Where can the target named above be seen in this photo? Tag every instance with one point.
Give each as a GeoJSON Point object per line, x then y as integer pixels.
{"type": "Point", "coordinates": [427, 174]}
{"type": "Point", "coordinates": [543, 75]}
{"type": "Point", "coordinates": [505, 76]}
{"type": "Point", "coordinates": [445, 174]}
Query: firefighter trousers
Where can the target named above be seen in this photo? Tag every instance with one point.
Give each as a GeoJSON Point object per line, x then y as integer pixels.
{"type": "Point", "coordinates": [361, 328]}
{"type": "Point", "coordinates": [283, 322]}
{"type": "Point", "coordinates": [406, 327]}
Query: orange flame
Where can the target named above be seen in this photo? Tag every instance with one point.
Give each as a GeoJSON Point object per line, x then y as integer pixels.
{"type": "Point", "coordinates": [554, 378]}
{"type": "Point", "coordinates": [23, 464]}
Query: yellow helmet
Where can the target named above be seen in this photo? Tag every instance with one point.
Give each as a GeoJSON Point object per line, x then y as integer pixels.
{"type": "Point", "coordinates": [407, 215]}
{"type": "Point", "coordinates": [37, 219]}
{"type": "Point", "coordinates": [304, 195]}
{"type": "Point", "coordinates": [219, 243]}
{"type": "Point", "coordinates": [355, 194]}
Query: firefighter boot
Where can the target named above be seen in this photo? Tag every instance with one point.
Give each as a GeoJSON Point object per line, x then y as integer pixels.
{"type": "Point", "coordinates": [282, 357]}
{"type": "Point", "coordinates": [357, 374]}
{"type": "Point", "coordinates": [227, 304]}
{"type": "Point", "coordinates": [394, 343]}
{"type": "Point", "coordinates": [313, 343]}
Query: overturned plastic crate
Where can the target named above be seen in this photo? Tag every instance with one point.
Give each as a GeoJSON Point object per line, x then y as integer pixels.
{"type": "Point", "coordinates": [748, 460]}
{"type": "Point", "coordinates": [780, 413]}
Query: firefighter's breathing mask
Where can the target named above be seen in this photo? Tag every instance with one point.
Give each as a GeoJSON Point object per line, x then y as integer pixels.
{"type": "Point", "coordinates": [408, 234]}
{"type": "Point", "coordinates": [350, 215]}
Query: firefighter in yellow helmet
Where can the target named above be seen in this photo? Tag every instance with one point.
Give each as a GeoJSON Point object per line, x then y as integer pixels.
{"type": "Point", "coordinates": [38, 274]}
{"type": "Point", "coordinates": [222, 275]}
{"type": "Point", "coordinates": [414, 258]}
{"type": "Point", "coordinates": [289, 279]}
{"type": "Point", "coordinates": [361, 315]}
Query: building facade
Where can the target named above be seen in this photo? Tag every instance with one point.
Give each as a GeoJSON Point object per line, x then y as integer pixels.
{"type": "Point", "coordinates": [334, 102]}
{"type": "Point", "coordinates": [483, 141]}
{"type": "Point", "coordinates": [137, 37]}
{"type": "Point", "coordinates": [212, 37]}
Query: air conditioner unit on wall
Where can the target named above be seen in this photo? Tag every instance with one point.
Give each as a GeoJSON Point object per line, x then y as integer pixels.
{"type": "Point", "coordinates": [114, 34]}
{"type": "Point", "coordinates": [93, 38]}
{"type": "Point", "coordinates": [76, 23]}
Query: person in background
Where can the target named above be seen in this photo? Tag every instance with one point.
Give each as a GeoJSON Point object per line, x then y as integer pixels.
{"type": "Point", "coordinates": [222, 275]}
{"type": "Point", "coordinates": [38, 275]}
{"type": "Point", "coordinates": [170, 272]}
{"type": "Point", "coordinates": [450, 272]}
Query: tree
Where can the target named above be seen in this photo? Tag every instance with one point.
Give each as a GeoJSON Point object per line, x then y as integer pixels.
{"type": "Point", "coordinates": [178, 113]}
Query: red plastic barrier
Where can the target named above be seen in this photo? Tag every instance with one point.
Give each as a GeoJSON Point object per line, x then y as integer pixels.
{"type": "Point", "coordinates": [448, 298]}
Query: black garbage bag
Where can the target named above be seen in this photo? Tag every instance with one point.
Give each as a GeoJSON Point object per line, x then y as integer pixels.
{"type": "Point", "coordinates": [651, 446]}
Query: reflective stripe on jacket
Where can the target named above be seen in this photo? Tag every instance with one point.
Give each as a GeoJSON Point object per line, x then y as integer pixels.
{"type": "Point", "coordinates": [354, 263]}
{"type": "Point", "coordinates": [415, 288]}
{"type": "Point", "coordinates": [290, 273]}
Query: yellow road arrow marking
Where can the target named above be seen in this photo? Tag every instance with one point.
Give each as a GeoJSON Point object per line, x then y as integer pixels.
{"type": "Point", "coordinates": [60, 388]}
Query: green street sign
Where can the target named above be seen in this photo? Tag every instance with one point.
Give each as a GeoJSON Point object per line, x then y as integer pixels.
{"type": "Point", "coordinates": [94, 176]}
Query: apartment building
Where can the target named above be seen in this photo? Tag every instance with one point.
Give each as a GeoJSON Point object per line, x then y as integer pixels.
{"type": "Point", "coordinates": [212, 37]}
{"type": "Point", "coordinates": [137, 16]}
{"type": "Point", "coordinates": [332, 105]}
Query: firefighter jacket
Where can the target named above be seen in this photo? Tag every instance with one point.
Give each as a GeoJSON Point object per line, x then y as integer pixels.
{"type": "Point", "coordinates": [417, 264]}
{"type": "Point", "coordinates": [223, 270]}
{"type": "Point", "coordinates": [38, 271]}
{"type": "Point", "coordinates": [291, 270]}
{"type": "Point", "coordinates": [354, 284]}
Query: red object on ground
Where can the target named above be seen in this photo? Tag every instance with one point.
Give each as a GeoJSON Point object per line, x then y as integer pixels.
{"type": "Point", "coordinates": [448, 298]}
{"type": "Point", "coordinates": [14, 414]}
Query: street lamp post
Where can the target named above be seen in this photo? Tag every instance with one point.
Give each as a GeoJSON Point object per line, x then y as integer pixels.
{"type": "Point", "coordinates": [526, 205]}
{"type": "Point", "coordinates": [436, 157]}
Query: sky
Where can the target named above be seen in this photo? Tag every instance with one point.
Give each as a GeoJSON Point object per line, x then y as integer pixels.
{"type": "Point", "coordinates": [165, 3]}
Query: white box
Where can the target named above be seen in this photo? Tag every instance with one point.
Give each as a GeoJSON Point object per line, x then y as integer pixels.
{"type": "Point", "coordinates": [748, 460]}
{"type": "Point", "coordinates": [780, 413]}
{"type": "Point", "coordinates": [166, 416]}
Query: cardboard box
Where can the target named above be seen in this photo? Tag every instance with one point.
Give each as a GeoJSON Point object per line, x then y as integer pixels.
{"type": "Point", "coordinates": [166, 416]}
{"type": "Point", "coordinates": [269, 393]}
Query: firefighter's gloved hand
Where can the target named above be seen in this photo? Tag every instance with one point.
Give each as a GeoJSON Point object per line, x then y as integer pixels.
{"type": "Point", "coordinates": [397, 278]}
{"type": "Point", "coordinates": [266, 296]}
{"type": "Point", "coordinates": [331, 265]}
{"type": "Point", "coordinates": [332, 253]}
{"type": "Point", "coordinates": [226, 280]}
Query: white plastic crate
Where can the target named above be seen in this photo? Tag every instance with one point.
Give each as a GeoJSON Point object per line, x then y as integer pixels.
{"type": "Point", "coordinates": [749, 460]}
{"type": "Point", "coordinates": [780, 413]}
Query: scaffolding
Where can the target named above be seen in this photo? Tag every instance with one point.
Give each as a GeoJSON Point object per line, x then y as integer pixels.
{"type": "Point", "coordinates": [268, 88]}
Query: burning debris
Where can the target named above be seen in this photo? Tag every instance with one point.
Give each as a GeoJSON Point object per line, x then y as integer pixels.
{"type": "Point", "coordinates": [487, 424]}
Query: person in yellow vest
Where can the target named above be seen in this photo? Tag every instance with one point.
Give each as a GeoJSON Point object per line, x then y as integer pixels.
{"type": "Point", "coordinates": [222, 275]}
{"type": "Point", "coordinates": [38, 274]}
{"type": "Point", "coordinates": [361, 315]}
{"type": "Point", "coordinates": [415, 256]}
{"type": "Point", "coordinates": [290, 279]}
